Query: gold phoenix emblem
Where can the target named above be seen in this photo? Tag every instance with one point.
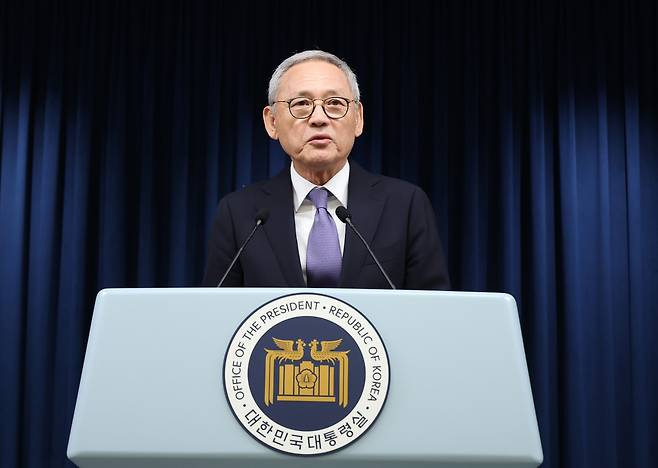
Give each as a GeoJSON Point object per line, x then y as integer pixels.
{"type": "Point", "coordinates": [308, 380]}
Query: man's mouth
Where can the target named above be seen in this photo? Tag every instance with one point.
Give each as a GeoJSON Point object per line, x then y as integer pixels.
{"type": "Point", "coordinates": [320, 139]}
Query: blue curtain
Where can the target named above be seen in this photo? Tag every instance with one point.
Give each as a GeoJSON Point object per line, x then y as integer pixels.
{"type": "Point", "coordinates": [531, 125]}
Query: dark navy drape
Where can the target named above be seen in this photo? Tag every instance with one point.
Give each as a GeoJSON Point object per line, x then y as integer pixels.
{"type": "Point", "coordinates": [531, 125]}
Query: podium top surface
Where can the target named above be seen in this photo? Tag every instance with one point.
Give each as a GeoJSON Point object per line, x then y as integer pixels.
{"type": "Point", "coordinates": [152, 383]}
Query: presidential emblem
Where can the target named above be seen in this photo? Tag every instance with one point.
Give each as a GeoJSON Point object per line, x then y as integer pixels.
{"type": "Point", "coordinates": [306, 374]}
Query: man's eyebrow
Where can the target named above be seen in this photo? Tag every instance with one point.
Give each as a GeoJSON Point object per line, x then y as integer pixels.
{"type": "Point", "coordinates": [328, 93]}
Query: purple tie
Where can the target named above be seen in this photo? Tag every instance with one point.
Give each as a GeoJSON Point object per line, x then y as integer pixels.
{"type": "Point", "coordinates": [323, 257]}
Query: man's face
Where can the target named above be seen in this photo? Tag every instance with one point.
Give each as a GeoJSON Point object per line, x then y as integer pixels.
{"type": "Point", "coordinates": [317, 144]}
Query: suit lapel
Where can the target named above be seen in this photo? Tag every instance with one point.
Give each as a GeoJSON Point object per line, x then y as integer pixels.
{"type": "Point", "coordinates": [280, 227]}
{"type": "Point", "coordinates": [365, 205]}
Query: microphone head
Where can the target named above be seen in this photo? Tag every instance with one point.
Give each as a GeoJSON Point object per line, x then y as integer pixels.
{"type": "Point", "coordinates": [343, 213]}
{"type": "Point", "coordinates": [262, 215]}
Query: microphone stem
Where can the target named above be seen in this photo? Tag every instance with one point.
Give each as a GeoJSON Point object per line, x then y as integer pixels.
{"type": "Point", "coordinates": [244, 244]}
{"type": "Point", "coordinates": [390, 283]}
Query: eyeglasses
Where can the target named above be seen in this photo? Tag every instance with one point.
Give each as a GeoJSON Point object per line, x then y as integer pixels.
{"type": "Point", "coordinates": [334, 107]}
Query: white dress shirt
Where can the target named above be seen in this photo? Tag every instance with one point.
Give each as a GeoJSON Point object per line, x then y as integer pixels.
{"type": "Point", "coordinates": [305, 210]}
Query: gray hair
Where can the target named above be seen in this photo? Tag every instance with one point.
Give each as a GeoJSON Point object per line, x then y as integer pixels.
{"type": "Point", "coordinates": [307, 56]}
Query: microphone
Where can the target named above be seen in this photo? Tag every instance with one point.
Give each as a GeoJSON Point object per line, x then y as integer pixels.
{"type": "Point", "coordinates": [345, 216]}
{"type": "Point", "coordinates": [260, 218]}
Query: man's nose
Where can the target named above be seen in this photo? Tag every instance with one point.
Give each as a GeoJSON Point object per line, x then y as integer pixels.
{"type": "Point", "coordinates": [318, 117]}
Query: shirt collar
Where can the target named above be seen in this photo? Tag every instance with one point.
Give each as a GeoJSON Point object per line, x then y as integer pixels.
{"type": "Point", "coordinates": [337, 185]}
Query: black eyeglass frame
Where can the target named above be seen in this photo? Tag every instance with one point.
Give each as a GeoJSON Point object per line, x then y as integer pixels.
{"type": "Point", "coordinates": [347, 108]}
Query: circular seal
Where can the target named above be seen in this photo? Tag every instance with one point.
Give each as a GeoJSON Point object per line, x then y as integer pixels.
{"type": "Point", "coordinates": [306, 374]}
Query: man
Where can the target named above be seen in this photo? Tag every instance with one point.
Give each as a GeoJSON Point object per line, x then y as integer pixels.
{"type": "Point", "coordinates": [315, 113]}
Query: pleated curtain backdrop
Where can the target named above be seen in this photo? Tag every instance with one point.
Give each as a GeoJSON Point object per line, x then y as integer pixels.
{"type": "Point", "coordinates": [531, 125]}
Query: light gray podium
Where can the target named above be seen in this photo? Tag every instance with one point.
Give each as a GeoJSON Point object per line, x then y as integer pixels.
{"type": "Point", "coordinates": [151, 392]}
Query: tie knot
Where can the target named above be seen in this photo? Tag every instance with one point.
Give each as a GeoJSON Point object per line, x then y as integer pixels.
{"type": "Point", "coordinates": [319, 197]}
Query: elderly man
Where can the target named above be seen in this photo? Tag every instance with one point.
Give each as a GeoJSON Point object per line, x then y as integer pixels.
{"type": "Point", "coordinates": [315, 113]}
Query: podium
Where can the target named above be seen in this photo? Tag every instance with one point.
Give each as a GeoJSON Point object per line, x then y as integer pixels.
{"type": "Point", "coordinates": [152, 388]}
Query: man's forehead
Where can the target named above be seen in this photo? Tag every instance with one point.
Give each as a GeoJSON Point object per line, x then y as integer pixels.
{"type": "Point", "coordinates": [309, 78]}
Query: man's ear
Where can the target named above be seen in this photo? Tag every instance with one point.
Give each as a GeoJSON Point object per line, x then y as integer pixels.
{"type": "Point", "coordinates": [358, 127]}
{"type": "Point", "coordinates": [269, 119]}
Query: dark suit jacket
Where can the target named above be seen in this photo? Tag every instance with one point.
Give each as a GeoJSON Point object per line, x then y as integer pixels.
{"type": "Point", "coordinates": [394, 216]}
